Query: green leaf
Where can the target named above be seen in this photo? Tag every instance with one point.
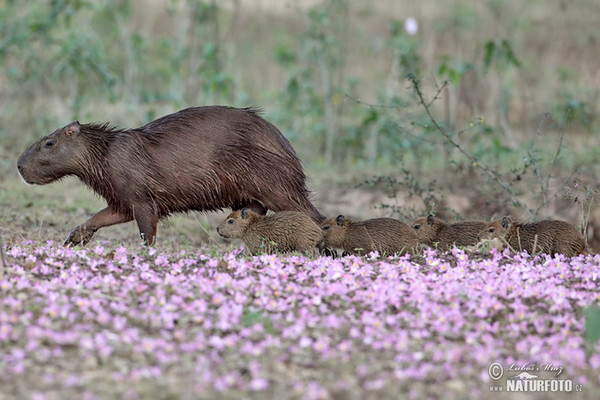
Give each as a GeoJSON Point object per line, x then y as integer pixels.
{"type": "Point", "coordinates": [284, 55]}
{"type": "Point", "coordinates": [500, 51]}
{"type": "Point", "coordinates": [592, 327]}
{"type": "Point", "coordinates": [489, 50]}
{"type": "Point", "coordinates": [249, 318]}
{"type": "Point", "coordinates": [371, 117]}
{"type": "Point", "coordinates": [510, 55]}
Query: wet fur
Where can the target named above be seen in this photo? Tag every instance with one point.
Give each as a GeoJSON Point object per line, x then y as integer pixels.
{"type": "Point", "coordinates": [202, 159]}
{"type": "Point", "coordinates": [385, 235]}
{"type": "Point", "coordinates": [460, 234]}
{"type": "Point", "coordinates": [552, 236]}
{"type": "Point", "coordinates": [285, 231]}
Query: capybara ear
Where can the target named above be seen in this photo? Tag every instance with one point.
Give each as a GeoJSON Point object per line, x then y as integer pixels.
{"type": "Point", "coordinates": [73, 129]}
{"type": "Point", "coordinates": [506, 221]}
{"type": "Point", "coordinates": [244, 213]}
{"type": "Point", "coordinates": [430, 219]}
{"type": "Point", "coordinates": [340, 220]}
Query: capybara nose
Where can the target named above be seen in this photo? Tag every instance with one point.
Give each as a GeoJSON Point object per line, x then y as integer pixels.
{"type": "Point", "coordinates": [21, 161]}
{"type": "Point", "coordinates": [218, 230]}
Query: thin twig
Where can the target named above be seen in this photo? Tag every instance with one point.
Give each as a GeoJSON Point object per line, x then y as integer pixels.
{"type": "Point", "coordinates": [567, 180]}
{"type": "Point", "coordinates": [372, 105]}
{"type": "Point", "coordinates": [508, 244]}
{"type": "Point", "coordinates": [538, 132]}
{"type": "Point", "coordinates": [408, 133]}
{"type": "Point", "coordinates": [436, 96]}
{"type": "Point", "coordinates": [545, 185]}
{"type": "Point", "coordinates": [585, 216]}
{"type": "Point", "coordinates": [474, 161]}
{"type": "Point", "coordinates": [519, 241]}
{"type": "Point", "coordinates": [2, 260]}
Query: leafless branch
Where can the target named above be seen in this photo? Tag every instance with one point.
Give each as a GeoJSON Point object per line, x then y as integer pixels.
{"type": "Point", "coordinates": [2, 260]}
{"type": "Point", "coordinates": [427, 106]}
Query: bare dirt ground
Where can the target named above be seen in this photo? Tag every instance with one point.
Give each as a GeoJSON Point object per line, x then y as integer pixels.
{"type": "Point", "coordinates": [50, 212]}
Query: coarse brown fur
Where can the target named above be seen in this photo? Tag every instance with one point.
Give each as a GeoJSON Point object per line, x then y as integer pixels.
{"type": "Point", "coordinates": [284, 231]}
{"type": "Point", "coordinates": [200, 158]}
{"type": "Point", "coordinates": [433, 231]}
{"type": "Point", "coordinates": [550, 236]}
{"type": "Point", "coordinates": [385, 235]}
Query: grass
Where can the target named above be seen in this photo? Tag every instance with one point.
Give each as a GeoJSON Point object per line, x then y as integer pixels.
{"type": "Point", "coordinates": [190, 319]}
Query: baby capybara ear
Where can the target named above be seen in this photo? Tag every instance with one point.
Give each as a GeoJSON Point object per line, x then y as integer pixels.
{"type": "Point", "coordinates": [506, 221]}
{"type": "Point", "coordinates": [340, 220]}
{"type": "Point", "coordinates": [244, 213]}
{"type": "Point", "coordinates": [430, 219]}
{"type": "Point", "coordinates": [73, 129]}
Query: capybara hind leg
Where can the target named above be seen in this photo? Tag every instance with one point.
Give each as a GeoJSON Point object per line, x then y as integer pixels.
{"type": "Point", "coordinates": [147, 223]}
{"type": "Point", "coordinates": [84, 232]}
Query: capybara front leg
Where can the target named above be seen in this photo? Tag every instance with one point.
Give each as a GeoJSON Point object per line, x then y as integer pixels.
{"type": "Point", "coordinates": [84, 232]}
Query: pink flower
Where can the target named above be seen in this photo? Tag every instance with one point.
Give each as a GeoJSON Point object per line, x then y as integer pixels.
{"type": "Point", "coordinates": [259, 384]}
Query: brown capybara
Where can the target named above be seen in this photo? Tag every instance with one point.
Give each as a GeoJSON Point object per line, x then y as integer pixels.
{"type": "Point", "coordinates": [550, 236]}
{"type": "Point", "coordinates": [386, 235]}
{"type": "Point", "coordinates": [284, 231]}
{"type": "Point", "coordinates": [200, 158]}
{"type": "Point", "coordinates": [437, 232]}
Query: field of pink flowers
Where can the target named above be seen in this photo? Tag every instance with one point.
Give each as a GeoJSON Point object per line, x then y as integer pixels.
{"type": "Point", "coordinates": [135, 323]}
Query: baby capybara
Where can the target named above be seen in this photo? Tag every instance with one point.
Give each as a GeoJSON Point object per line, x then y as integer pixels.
{"type": "Point", "coordinates": [552, 236]}
{"type": "Point", "coordinates": [386, 235]}
{"type": "Point", "coordinates": [284, 231]}
{"type": "Point", "coordinates": [200, 158]}
{"type": "Point", "coordinates": [437, 232]}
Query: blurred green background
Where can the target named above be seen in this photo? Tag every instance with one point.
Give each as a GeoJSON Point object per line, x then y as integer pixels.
{"type": "Point", "coordinates": [521, 93]}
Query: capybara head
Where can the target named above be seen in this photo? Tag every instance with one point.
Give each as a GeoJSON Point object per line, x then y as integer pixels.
{"type": "Point", "coordinates": [236, 223]}
{"type": "Point", "coordinates": [53, 156]}
{"type": "Point", "coordinates": [425, 229]}
{"type": "Point", "coordinates": [334, 231]}
{"type": "Point", "coordinates": [496, 229]}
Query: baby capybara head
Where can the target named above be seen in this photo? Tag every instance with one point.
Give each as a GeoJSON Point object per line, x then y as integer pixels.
{"type": "Point", "coordinates": [426, 228]}
{"type": "Point", "coordinates": [496, 229]}
{"type": "Point", "coordinates": [236, 223]}
{"type": "Point", "coordinates": [334, 231]}
{"type": "Point", "coordinates": [53, 156]}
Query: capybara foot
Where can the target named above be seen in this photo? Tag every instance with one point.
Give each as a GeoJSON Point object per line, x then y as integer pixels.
{"type": "Point", "coordinates": [79, 235]}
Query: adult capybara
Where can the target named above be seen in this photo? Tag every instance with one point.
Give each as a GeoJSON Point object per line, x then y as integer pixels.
{"type": "Point", "coordinates": [385, 235]}
{"type": "Point", "coordinates": [283, 231]}
{"type": "Point", "coordinates": [549, 236]}
{"type": "Point", "coordinates": [200, 158]}
{"type": "Point", "coordinates": [437, 232]}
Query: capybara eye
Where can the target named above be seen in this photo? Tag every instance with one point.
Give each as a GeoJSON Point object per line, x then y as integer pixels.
{"type": "Point", "coordinates": [230, 221]}
{"type": "Point", "coordinates": [416, 226]}
{"type": "Point", "coordinates": [50, 143]}
{"type": "Point", "coordinates": [325, 228]}
{"type": "Point", "coordinates": [491, 230]}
